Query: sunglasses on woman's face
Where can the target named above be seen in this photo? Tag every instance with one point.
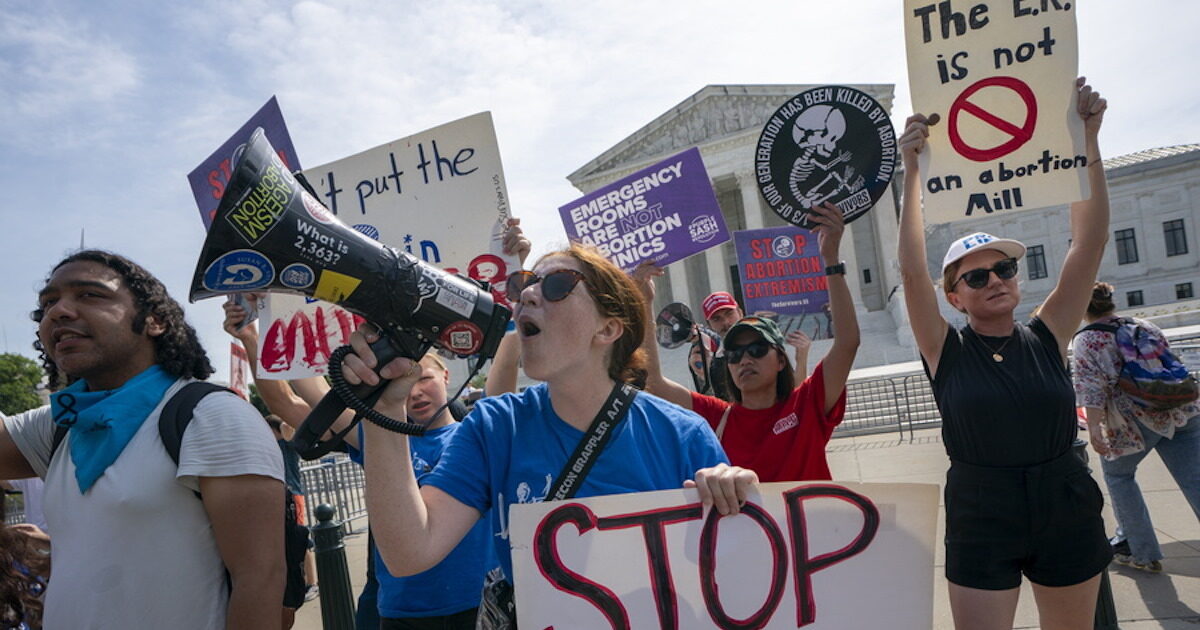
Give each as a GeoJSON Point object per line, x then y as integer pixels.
{"type": "Point", "coordinates": [556, 285]}
{"type": "Point", "coordinates": [757, 350]}
{"type": "Point", "coordinates": [978, 278]}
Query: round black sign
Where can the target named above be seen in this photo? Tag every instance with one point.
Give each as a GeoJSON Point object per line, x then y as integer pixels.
{"type": "Point", "coordinates": [830, 143]}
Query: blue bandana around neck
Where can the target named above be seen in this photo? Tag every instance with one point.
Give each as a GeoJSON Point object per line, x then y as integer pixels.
{"type": "Point", "coordinates": [103, 422]}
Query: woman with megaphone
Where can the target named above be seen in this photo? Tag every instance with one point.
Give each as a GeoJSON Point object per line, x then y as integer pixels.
{"type": "Point", "coordinates": [580, 320]}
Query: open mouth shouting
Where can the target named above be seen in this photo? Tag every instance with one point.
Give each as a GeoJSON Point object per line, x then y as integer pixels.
{"type": "Point", "coordinates": [528, 328]}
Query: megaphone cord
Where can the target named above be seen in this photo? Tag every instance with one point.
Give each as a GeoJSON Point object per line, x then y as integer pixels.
{"type": "Point", "coordinates": [345, 391]}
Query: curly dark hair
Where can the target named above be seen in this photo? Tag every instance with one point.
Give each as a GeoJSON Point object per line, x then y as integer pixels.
{"type": "Point", "coordinates": [19, 589]}
{"type": "Point", "coordinates": [177, 351]}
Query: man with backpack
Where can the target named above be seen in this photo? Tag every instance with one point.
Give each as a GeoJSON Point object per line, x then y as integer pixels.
{"type": "Point", "coordinates": [156, 524]}
{"type": "Point", "coordinates": [1138, 396]}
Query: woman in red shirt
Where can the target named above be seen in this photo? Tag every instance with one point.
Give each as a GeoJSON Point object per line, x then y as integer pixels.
{"type": "Point", "coordinates": [773, 427]}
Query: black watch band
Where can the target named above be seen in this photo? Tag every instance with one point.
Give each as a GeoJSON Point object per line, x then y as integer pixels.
{"type": "Point", "coordinates": [836, 269]}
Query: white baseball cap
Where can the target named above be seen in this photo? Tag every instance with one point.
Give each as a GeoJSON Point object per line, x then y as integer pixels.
{"type": "Point", "coordinates": [978, 242]}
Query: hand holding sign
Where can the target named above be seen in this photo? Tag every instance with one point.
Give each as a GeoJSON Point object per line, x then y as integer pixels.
{"type": "Point", "coordinates": [1090, 106]}
{"type": "Point", "coordinates": [914, 138]}
{"type": "Point", "coordinates": [829, 228]}
{"type": "Point", "coordinates": [725, 488]}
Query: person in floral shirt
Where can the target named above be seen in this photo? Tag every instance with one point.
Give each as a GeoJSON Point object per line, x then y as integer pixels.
{"type": "Point", "coordinates": [1123, 433]}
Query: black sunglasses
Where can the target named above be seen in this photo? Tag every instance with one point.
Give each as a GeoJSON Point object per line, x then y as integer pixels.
{"type": "Point", "coordinates": [757, 349]}
{"type": "Point", "coordinates": [978, 278]}
{"type": "Point", "coordinates": [556, 285]}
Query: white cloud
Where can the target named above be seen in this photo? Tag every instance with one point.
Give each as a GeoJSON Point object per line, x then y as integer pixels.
{"type": "Point", "coordinates": [54, 69]}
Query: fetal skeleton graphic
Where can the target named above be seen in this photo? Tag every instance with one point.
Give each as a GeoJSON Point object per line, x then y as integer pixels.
{"type": "Point", "coordinates": [817, 131]}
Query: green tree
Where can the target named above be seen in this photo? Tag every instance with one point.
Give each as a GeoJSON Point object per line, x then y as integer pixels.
{"type": "Point", "coordinates": [257, 401]}
{"type": "Point", "coordinates": [19, 378]}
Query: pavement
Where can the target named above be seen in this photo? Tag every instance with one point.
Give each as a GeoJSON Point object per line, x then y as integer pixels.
{"type": "Point", "coordinates": [1169, 600]}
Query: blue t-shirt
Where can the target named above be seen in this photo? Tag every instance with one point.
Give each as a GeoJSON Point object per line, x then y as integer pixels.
{"type": "Point", "coordinates": [512, 447]}
{"type": "Point", "coordinates": [455, 583]}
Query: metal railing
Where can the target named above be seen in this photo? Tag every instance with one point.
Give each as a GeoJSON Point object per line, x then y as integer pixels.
{"type": "Point", "coordinates": [881, 404]}
{"type": "Point", "coordinates": [336, 481]}
{"type": "Point", "coordinates": [14, 510]}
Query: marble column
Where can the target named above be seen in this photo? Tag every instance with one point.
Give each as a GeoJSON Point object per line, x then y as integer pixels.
{"type": "Point", "coordinates": [752, 208]}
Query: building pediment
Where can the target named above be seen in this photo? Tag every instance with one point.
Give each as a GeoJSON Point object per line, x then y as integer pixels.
{"type": "Point", "coordinates": [715, 113]}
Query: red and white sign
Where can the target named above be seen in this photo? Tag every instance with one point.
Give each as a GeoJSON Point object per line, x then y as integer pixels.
{"type": "Point", "coordinates": [1001, 75]}
{"type": "Point", "coordinates": [238, 366]}
{"type": "Point", "coordinates": [811, 555]}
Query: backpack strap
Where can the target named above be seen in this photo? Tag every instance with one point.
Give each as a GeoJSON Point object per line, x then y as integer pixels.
{"type": "Point", "coordinates": [60, 434]}
{"type": "Point", "coordinates": [178, 412]}
{"type": "Point", "coordinates": [1108, 328]}
{"type": "Point", "coordinates": [724, 420]}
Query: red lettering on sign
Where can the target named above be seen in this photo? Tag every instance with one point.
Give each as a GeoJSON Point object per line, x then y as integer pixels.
{"type": "Point", "coordinates": [805, 567]}
{"type": "Point", "coordinates": [279, 344]}
{"type": "Point", "coordinates": [545, 553]}
{"type": "Point", "coordinates": [653, 523]}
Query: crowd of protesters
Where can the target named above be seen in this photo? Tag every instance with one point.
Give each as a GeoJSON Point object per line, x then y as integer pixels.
{"type": "Point", "coordinates": [139, 540]}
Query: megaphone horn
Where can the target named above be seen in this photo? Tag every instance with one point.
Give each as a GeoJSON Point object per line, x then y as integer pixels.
{"type": "Point", "coordinates": [270, 234]}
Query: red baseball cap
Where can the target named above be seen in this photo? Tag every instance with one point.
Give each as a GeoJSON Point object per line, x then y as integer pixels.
{"type": "Point", "coordinates": [716, 302]}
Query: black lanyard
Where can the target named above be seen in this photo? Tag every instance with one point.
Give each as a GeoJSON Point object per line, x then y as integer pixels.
{"type": "Point", "coordinates": [593, 442]}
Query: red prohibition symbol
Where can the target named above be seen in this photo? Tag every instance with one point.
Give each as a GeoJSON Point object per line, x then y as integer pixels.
{"type": "Point", "coordinates": [1018, 135]}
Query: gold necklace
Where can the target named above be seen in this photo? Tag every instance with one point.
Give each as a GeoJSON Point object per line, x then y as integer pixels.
{"type": "Point", "coordinates": [996, 356]}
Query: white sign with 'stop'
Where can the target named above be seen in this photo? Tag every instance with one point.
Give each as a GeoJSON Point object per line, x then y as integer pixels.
{"type": "Point", "coordinates": [819, 555]}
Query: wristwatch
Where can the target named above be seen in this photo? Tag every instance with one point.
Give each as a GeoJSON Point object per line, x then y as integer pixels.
{"type": "Point", "coordinates": [836, 269]}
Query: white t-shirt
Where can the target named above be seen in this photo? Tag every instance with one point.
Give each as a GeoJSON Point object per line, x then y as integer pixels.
{"type": "Point", "coordinates": [137, 550]}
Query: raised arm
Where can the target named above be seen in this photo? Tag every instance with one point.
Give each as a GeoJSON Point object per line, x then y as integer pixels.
{"type": "Point", "coordinates": [415, 528]}
{"type": "Point", "coordinates": [840, 358]}
{"type": "Point", "coordinates": [656, 383]}
{"type": "Point", "coordinates": [802, 343]}
{"type": "Point", "coordinates": [504, 371]}
{"type": "Point", "coordinates": [1065, 306]}
{"type": "Point", "coordinates": [920, 296]}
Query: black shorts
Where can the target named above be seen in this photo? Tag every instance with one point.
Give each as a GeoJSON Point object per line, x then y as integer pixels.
{"type": "Point", "coordinates": [1042, 521]}
{"type": "Point", "coordinates": [464, 620]}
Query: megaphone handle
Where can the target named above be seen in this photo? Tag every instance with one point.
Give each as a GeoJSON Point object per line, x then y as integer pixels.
{"type": "Point", "coordinates": [307, 440]}
{"type": "Point", "coordinates": [359, 397]}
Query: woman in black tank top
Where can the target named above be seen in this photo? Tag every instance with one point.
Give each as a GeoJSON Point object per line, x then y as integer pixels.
{"type": "Point", "coordinates": [1017, 501]}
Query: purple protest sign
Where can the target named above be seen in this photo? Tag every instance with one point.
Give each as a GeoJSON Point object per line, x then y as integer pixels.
{"type": "Point", "coordinates": [208, 180]}
{"type": "Point", "coordinates": [783, 278]}
{"type": "Point", "coordinates": [662, 213]}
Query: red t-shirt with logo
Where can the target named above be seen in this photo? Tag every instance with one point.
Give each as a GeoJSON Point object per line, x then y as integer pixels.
{"type": "Point", "coordinates": [785, 442]}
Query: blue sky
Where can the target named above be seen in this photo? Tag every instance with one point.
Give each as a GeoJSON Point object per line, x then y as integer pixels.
{"type": "Point", "coordinates": [105, 107]}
